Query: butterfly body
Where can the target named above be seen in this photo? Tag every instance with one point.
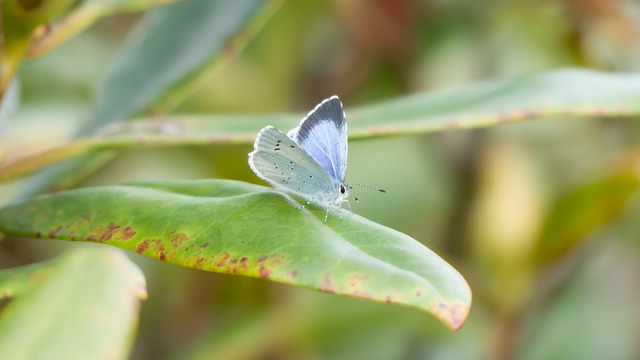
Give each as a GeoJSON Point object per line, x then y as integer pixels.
{"type": "Point", "coordinates": [310, 160]}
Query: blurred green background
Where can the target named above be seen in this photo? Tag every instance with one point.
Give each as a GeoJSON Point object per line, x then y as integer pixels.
{"type": "Point", "coordinates": [538, 216]}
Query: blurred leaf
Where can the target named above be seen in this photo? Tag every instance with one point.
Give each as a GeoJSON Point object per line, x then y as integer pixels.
{"type": "Point", "coordinates": [82, 17]}
{"type": "Point", "coordinates": [505, 219]}
{"type": "Point", "coordinates": [593, 315]}
{"type": "Point", "coordinates": [175, 46]}
{"type": "Point", "coordinates": [583, 210]}
{"type": "Point", "coordinates": [569, 93]}
{"type": "Point", "coordinates": [173, 43]}
{"type": "Point", "coordinates": [238, 228]}
{"type": "Point", "coordinates": [86, 307]}
{"type": "Point", "coordinates": [19, 20]}
{"type": "Point", "coordinates": [16, 281]}
{"type": "Point", "coordinates": [335, 328]}
{"type": "Point", "coordinates": [562, 93]}
{"type": "Point", "coordinates": [27, 15]}
{"type": "Point", "coordinates": [8, 104]}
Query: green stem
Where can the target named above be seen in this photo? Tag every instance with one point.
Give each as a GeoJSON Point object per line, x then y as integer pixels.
{"type": "Point", "coordinates": [81, 19]}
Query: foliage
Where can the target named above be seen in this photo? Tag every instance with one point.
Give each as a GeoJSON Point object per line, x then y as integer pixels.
{"type": "Point", "coordinates": [535, 215]}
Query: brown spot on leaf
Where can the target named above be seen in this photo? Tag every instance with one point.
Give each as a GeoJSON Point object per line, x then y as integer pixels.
{"type": "Point", "coordinates": [355, 282]}
{"type": "Point", "coordinates": [264, 272]}
{"type": "Point", "coordinates": [125, 234]}
{"type": "Point", "coordinates": [99, 233]}
{"type": "Point", "coordinates": [142, 246]}
{"type": "Point", "coordinates": [266, 265]}
{"type": "Point", "coordinates": [223, 260]}
{"type": "Point", "coordinates": [155, 246]}
{"type": "Point", "coordinates": [199, 262]}
{"type": "Point", "coordinates": [327, 286]}
{"type": "Point", "coordinates": [177, 239]}
{"type": "Point", "coordinates": [226, 264]}
{"type": "Point", "coordinates": [238, 267]}
{"type": "Point", "coordinates": [54, 232]}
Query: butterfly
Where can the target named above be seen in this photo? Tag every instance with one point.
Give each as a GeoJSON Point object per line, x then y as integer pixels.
{"type": "Point", "coordinates": [309, 161]}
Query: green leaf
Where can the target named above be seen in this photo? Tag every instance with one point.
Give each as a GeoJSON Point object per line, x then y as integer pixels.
{"type": "Point", "coordinates": [83, 16]}
{"type": "Point", "coordinates": [172, 44]}
{"type": "Point", "coordinates": [27, 15]}
{"type": "Point", "coordinates": [562, 94]}
{"type": "Point", "coordinates": [568, 93]}
{"type": "Point", "coordinates": [14, 282]}
{"type": "Point", "coordinates": [238, 228]}
{"type": "Point", "coordinates": [19, 20]}
{"type": "Point", "coordinates": [165, 58]}
{"type": "Point", "coordinates": [591, 315]}
{"type": "Point", "coordinates": [583, 210]}
{"type": "Point", "coordinates": [84, 305]}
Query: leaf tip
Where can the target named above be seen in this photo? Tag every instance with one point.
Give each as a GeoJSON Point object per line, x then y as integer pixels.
{"type": "Point", "coordinates": [453, 314]}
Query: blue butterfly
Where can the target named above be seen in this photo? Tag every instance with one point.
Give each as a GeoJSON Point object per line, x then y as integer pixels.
{"type": "Point", "coordinates": [310, 160]}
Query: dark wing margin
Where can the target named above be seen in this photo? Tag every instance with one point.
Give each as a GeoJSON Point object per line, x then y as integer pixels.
{"type": "Point", "coordinates": [323, 135]}
{"type": "Point", "coordinates": [330, 109]}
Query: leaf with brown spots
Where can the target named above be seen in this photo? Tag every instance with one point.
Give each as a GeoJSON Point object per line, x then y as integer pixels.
{"type": "Point", "coordinates": [238, 228]}
{"type": "Point", "coordinates": [558, 94]}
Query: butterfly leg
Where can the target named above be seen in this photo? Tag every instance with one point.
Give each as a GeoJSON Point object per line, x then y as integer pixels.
{"type": "Point", "coordinates": [305, 205]}
{"type": "Point", "coordinates": [349, 205]}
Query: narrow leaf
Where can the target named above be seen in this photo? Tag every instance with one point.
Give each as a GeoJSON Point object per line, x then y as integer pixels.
{"type": "Point", "coordinates": [582, 211]}
{"type": "Point", "coordinates": [561, 94]}
{"type": "Point", "coordinates": [82, 17]}
{"type": "Point", "coordinates": [171, 44]}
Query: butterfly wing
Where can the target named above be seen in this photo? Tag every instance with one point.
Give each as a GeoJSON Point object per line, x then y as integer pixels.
{"type": "Point", "coordinates": [281, 162]}
{"type": "Point", "coordinates": [323, 135]}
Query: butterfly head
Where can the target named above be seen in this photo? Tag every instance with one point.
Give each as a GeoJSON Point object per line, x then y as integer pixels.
{"type": "Point", "coordinates": [343, 191]}
{"type": "Point", "coordinates": [341, 197]}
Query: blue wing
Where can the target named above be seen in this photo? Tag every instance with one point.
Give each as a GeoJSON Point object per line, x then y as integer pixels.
{"type": "Point", "coordinates": [323, 135]}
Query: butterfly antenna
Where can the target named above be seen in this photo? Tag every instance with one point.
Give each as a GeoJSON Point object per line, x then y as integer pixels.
{"type": "Point", "coordinates": [367, 187]}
